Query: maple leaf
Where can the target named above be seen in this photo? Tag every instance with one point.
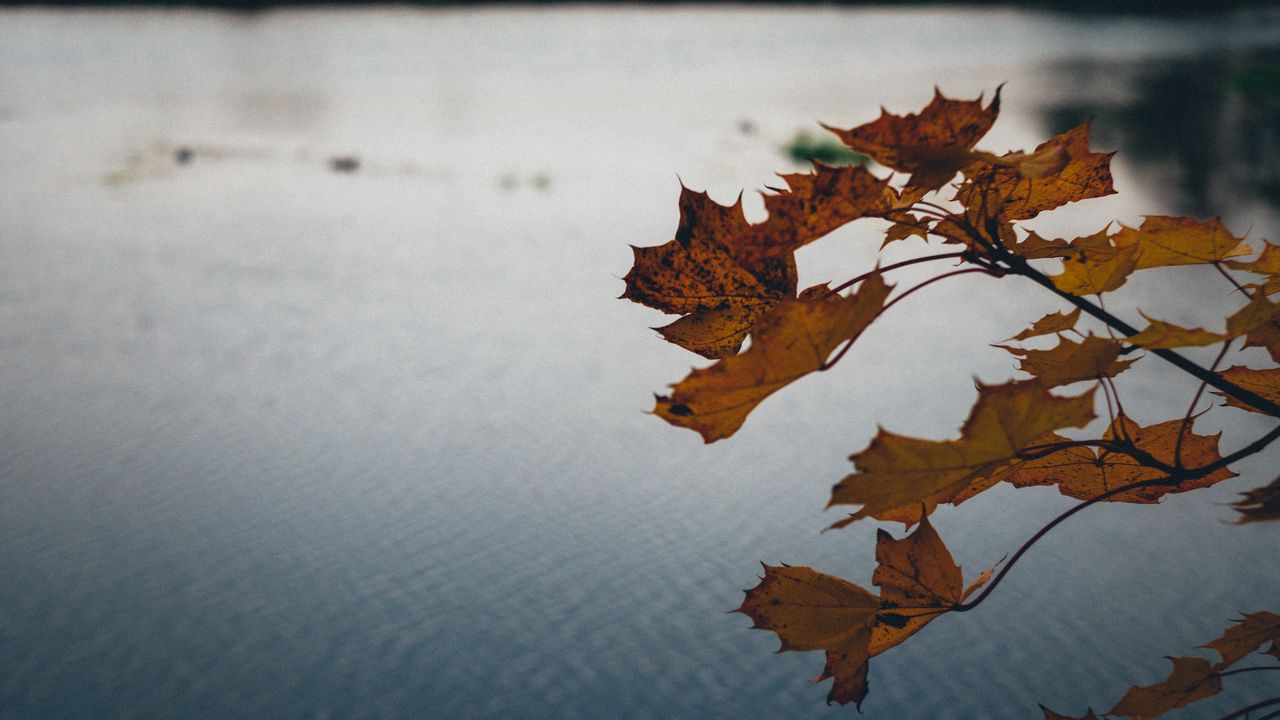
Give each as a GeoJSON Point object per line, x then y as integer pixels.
{"type": "Point", "coordinates": [1192, 679]}
{"type": "Point", "coordinates": [809, 610]}
{"type": "Point", "coordinates": [1245, 636]}
{"type": "Point", "coordinates": [1267, 263]}
{"type": "Point", "coordinates": [1263, 383]}
{"type": "Point", "coordinates": [1050, 324]}
{"type": "Point", "coordinates": [1020, 186]}
{"type": "Point", "coordinates": [1164, 241]}
{"type": "Point", "coordinates": [932, 145]}
{"type": "Point", "coordinates": [911, 226]}
{"type": "Point", "coordinates": [918, 581]}
{"type": "Point", "coordinates": [1051, 715]}
{"type": "Point", "coordinates": [1090, 359]}
{"type": "Point", "coordinates": [896, 473]}
{"type": "Point", "coordinates": [1086, 472]}
{"type": "Point", "coordinates": [1257, 319]}
{"type": "Point", "coordinates": [1259, 504]}
{"type": "Point", "coordinates": [1095, 265]}
{"type": "Point", "coordinates": [790, 341]}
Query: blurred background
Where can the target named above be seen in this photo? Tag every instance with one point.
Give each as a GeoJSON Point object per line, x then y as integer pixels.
{"type": "Point", "coordinates": [316, 400]}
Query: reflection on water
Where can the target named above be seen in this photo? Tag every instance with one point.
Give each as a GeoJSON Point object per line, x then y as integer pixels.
{"type": "Point", "coordinates": [1205, 128]}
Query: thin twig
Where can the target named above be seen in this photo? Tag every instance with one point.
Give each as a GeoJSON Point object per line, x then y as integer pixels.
{"type": "Point", "coordinates": [894, 266]}
{"type": "Point", "coordinates": [1245, 670]}
{"type": "Point", "coordinates": [1244, 711]}
{"type": "Point", "coordinates": [1186, 419]}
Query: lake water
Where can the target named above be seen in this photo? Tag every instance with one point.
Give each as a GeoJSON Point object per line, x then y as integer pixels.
{"type": "Point", "coordinates": [282, 441]}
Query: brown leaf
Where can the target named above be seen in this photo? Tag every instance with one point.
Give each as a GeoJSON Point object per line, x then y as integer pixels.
{"type": "Point", "coordinates": [1068, 361]}
{"type": "Point", "coordinates": [912, 227]}
{"type": "Point", "coordinates": [1163, 241]}
{"type": "Point", "coordinates": [791, 341]}
{"type": "Point", "coordinates": [1061, 170]}
{"type": "Point", "coordinates": [1245, 636]}
{"type": "Point", "coordinates": [1259, 504]}
{"type": "Point", "coordinates": [1086, 472]}
{"type": "Point", "coordinates": [809, 610]}
{"type": "Point", "coordinates": [933, 145]}
{"type": "Point", "coordinates": [1049, 324]}
{"type": "Point", "coordinates": [698, 273]}
{"type": "Point", "coordinates": [1035, 247]}
{"type": "Point", "coordinates": [1273, 651]}
{"type": "Point", "coordinates": [896, 473]}
{"type": "Point", "coordinates": [1051, 715]}
{"type": "Point", "coordinates": [918, 581]}
{"type": "Point", "coordinates": [1257, 319]}
{"type": "Point", "coordinates": [1267, 263]}
{"type": "Point", "coordinates": [1160, 334]}
{"type": "Point", "coordinates": [1192, 679]}
{"type": "Point", "coordinates": [1264, 383]}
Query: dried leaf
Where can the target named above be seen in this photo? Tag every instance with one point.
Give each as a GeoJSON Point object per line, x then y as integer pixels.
{"type": "Point", "coordinates": [1245, 636]}
{"type": "Point", "coordinates": [896, 473]}
{"type": "Point", "coordinates": [1259, 504]}
{"type": "Point", "coordinates": [1160, 334]}
{"type": "Point", "coordinates": [1095, 266]}
{"type": "Point", "coordinates": [1086, 472]}
{"type": "Point", "coordinates": [791, 341]}
{"type": "Point", "coordinates": [1267, 263]}
{"type": "Point", "coordinates": [933, 145]}
{"type": "Point", "coordinates": [911, 227]}
{"type": "Point", "coordinates": [1061, 170]}
{"type": "Point", "coordinates": [1049, 324]}
{"type": "Point", "coordinates": [1068, 361]}
{"type": "Point", "coordinates": [1263, 383]}
{"type": "Point", "coordinates": [1163, 241]}
{"type": "Point", "coordinates": [1192, 679]}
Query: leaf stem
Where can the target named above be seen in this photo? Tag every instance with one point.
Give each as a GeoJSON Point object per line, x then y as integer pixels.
{"type": "Point", "coordinates": [995, 582]}
{"type": "Point", "coordinates": [1186, 419]}
{"type": "Point", "coordinates": [894, 266]}
{"type": "Point", "coordinates": [1245, 670]}
{"type": "Point", "coordinates": [1019, 266]}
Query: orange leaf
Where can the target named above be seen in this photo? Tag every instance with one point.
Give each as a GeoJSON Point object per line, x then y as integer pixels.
{"type": "Point", "coordinates": [933, 145]}
{"type": "Point", "coordinates": [918, 581]}
{"type": "Point", "coordinates": [896, 473]}
{"type": "Point", "coordinates": [1256, 319]}
{"type": "Point", "coordinates": [1267, 263]}
{"type": "Point", "coordinates": [1095, 266]}
{"type": "Point", "coordinates": [1021, 186]}
{"type": "Point", "coordinates": [1259, 504]}
{"type": "Point", "coordinates": [1192, 679]}
{"type": "Point", "coordinates": [1160, 334]}
{"type": "Point", "coordinates": [912, 227]}
{"type": "Point", "coordinates": [1049, 324]}
{"type": "Point", "coordinates": [1086, 472]}
{"type": "Point", "coordinates": [1245, 636]}
{"type": "Point", "coordinates": [1068, 361]}
{"type": "Point", "coordinates": [809, 610]}
{"type": "Point", "coordinates": [791, 341]}
{"type": "Point", "coordinates": [1163, 241]}
{"type": "Point", "coordinates": [1264, 383]}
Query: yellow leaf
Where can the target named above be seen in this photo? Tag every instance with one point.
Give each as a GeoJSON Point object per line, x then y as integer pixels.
{"type": "Point", "coordinates": [791, 341]}
{"type": "Point", "coordinates": [1068, 361]}
{"type": "Point", "coordinates": [1160, 334]}
{"type": "Point", "coordinates": [1095, 267]}
{"type": "Point", "coordinates": [896, 474]}
{"type": "Point", "coordinates": [1049, 324]}
{"type": "Point", "coordinates": [1162, 241]}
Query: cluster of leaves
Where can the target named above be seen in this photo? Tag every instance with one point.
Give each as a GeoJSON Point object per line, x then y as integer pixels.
{"type": "Point", "coordinates": [728, 280]}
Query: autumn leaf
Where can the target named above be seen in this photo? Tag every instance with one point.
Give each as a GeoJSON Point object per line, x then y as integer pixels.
{"type": "Point", "coordinates": [1267, 263]}
{"type": "Point", "coordinates": [791, 341]}
{"type": "Point", "coordinates": [1192, 679]}
{"type": "Point", "coordinates": [1263, 383]}
{"type": "Point", "coordinates": [1163, 241]}
{"type": "Point", "coordinates": [896, 473]}
{"type": "Point", "coordinates": [809, 610]}
{"type": "Point", "coordinates": [1036, 247]}
{"type": "Point", "coordinates": [1160, 334]}
{"type": "Point", "coordinates": [1086, 472]}
{"type": "Point", "coordinates": [918, 581]}
{"type": "Point", "coordinates": [1257, 320]}
{"type": "Point", "coordinates": [1090, 359]}
{"type": "Point", "coordinates": [1050, 324]}
{"type": "Point", "coordinates": [1060, 170]}
{"type": "Point", "coordinates": [1259, 504]}
{"type": "Point", "coordinates": [1095, 265]}
{"type": "Point", "coordinates": [911, 226]}
{"type": "Point", "coordinates": [1245, 636]}
{"type": "Point", "coordinates": [1051, 715]}
{"type": "Point", "coordinates": [933, 145]}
